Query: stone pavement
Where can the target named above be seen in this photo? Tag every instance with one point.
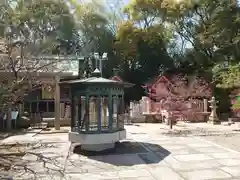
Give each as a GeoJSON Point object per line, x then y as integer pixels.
{"type": "Point", "coordinates": [158, 157]}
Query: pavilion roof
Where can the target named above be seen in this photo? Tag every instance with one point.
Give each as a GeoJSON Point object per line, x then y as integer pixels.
{"type": "Point", "coordinates": [90, 80]}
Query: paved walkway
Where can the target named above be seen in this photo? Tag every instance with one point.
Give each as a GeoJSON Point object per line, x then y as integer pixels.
{"type": "Point", "coordinates": [159, 158]}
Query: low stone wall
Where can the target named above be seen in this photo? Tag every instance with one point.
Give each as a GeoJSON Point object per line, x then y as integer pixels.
{"type": "Point", "coordinates": [63, 122]}
{"type": "Point", "coordinates": [138, 119]}
{"type": "Point", "coordinates": [25, 123]}
{"type": "Point", "coordinates": [234, 119]}
{"type": "Point", "coordinates": [146, 119]}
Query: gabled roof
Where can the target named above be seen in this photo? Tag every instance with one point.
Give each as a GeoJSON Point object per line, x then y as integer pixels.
{"type": "Point", "coordinates": [169, 81]}
{"type": "Point", "coordinates": [116, 78]}
{"type": "Point", "coordinates": [119, 79]}
{"type": "Point", "coordinates": [157, 80]}
{"type": "Point", "coordinates": [162, 79]}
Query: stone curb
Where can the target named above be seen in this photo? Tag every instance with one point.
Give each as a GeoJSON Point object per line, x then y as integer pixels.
{"type": "Point", "coordinates": [53, 132]}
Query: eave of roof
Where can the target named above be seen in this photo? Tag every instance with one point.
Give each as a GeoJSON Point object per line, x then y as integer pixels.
{"type": "Point", "coordinates": [90, 80]}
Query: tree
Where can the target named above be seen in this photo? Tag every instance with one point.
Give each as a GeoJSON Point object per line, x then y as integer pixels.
{"type": "Point", "coordinates": [51, 24]}
{"type": "Point", "coordinates": [210, 28]}
{"type": "Point", "coordinates": [142, 44]}
{"type": "Point", "coordinates": [32, 30]}
{"type": "Point", "coordinates": [227, 75]}
{"type": "Point", "coordinates": [97, 24]}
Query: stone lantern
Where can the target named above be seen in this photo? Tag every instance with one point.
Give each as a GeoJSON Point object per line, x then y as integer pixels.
{"type": "Point", "coordinates": [213, 118]}
{"type": "Point", "coordinates": [97, 112]}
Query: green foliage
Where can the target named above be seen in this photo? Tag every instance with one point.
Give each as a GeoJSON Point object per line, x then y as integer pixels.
{"type": "Point", "coordinates": [46, 24]}
{"type": "Point", "coordinates": [236, 104]}
{"type": "Point", "coordinates": [227, 77]}
{"type": "Point", "coordinates": [222, 94]}
{"type": "Point", "coordinates": [149, 37]}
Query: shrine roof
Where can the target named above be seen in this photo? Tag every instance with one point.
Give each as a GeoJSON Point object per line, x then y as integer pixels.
{"type": "Point", "coordinates": [160, 78]}
{"type": "Point", "coordinates": [119, 79]}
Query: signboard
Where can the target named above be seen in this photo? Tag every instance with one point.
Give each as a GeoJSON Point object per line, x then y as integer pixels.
{"type": "Point", "coordinates": [48, 91]}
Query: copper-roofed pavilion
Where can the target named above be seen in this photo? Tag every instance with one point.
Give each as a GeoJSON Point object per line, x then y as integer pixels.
{"type": "Point", "coordinates": [97, 109]}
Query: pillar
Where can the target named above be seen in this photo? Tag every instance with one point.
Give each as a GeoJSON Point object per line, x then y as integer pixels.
{"type": "Point", "coordinates": [104, 112]}
{"type": "Point", "coordinates": [21, 109]}
{"type": "Point", "coordinates": [148, 105]}
{"type": "Point", "coordinates": [57, 103]}
{"type": "Point", "coordinates": [63, 110]}
{"type": "Point", "coordinates": [110, 112]}
{"type": "Point", "coordinates": [205, 105]}
{"type": "Point", "coordinates": [131, 109]}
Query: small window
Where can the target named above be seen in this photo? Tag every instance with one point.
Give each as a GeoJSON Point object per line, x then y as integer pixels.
{"type": "Point", "coordinates": [51, 106]}
{"type": "Point", "coordinates": [43, 106]}
{"type": "Point", "coordinates": [34, 107]}
{"type": "Point", "coordinates": [26, 107]}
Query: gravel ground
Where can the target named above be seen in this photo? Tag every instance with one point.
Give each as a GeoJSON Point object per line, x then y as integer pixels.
{"type": "Point", "coordinates": [230, 141]}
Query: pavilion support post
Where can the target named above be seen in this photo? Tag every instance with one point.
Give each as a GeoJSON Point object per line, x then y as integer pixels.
{"type": "Point", "coordinates": [57, 103]}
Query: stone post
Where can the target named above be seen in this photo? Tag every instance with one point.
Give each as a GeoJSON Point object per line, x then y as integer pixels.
{"type": "Point", "coordinates": [213, 118]}
{"type": "Point", "coordinates": [148, 106]}
{"type": "Point", "coordinates": [57, 103]}
{"type": "Point", "coordinates": [205, 105]}
{"type": "Point", "coordinates": [131, 109]}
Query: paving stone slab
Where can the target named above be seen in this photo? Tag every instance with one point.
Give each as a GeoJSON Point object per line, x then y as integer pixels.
{"type": "Point", "coordinates": [87, 166]}
{"type": "Point", "coordinates": [123, 160]}
{"type": "Point", "coordinates": [170, 160]}
{"type": "Point", "coordinates": [134, 173]}
{"type": "Point", "coordinates": [154, 147]}
{"type": "Point", "coordinates": [173, 147]}
{"type": "Point", "coordinates": [183, 151]}
{"type": "Point", "coordinates": [46, 176]}
{"type": "Point", "coordinates": [225, 155]}
{"type": "Point", "coordinates": [199, 145]}
{"type": "Point", "coordinates": [229, 162]}
{"type": "Point", "coordinates": [211, 149]}
{"type": "Point", "coordinates": [163, 173]}
{"type": "Point", "coordinates": [163, 158]}
{"type": "Point", "coordinates": [234, 171]}
{"type": "Point", "coordinates": [154, 166]}
{"type": "Point", "coordinates": [150, 158]}
{"type": "Point", "coordinates": [90, 176]}
{"type": "Point", "coordinates": [139, 178]}
{"type": "Point", "coordinates": [165, 142]}
{"type": "Point", "coordinates": [186, 166]}
{"type": "Point", "coordinates": [206, 174]}
{"type": "Point", "coordinates": [193, 157]}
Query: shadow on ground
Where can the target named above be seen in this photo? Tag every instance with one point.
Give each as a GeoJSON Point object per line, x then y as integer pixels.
{"type": "Point", "coordinates": [127, 153]}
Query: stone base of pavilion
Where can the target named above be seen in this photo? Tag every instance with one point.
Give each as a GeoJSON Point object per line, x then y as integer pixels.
{"type": "Point", "coordinates": [97, 142]}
